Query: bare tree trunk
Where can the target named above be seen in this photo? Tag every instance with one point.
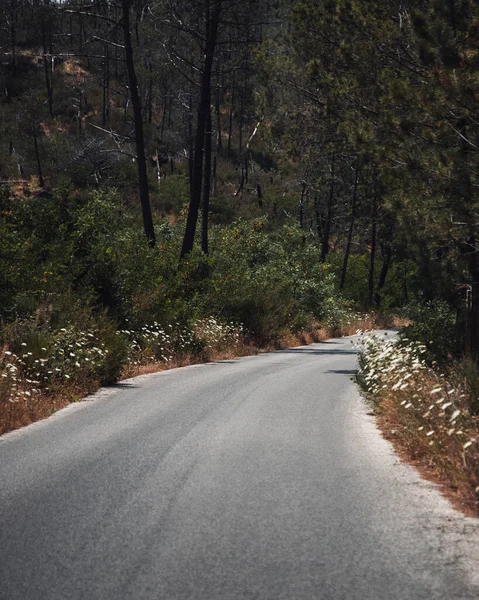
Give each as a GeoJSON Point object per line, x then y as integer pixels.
{"type": "Point", "coordinates": [150, 91]}
{"type": "Point", "coordinates": [386, 251]}
{"type": "Point", "coordinates": [452, 10]}
{"type": "Point", "coordinates": [139, 136]}
{"type": "Point", "coordinates": [41, 181]}
{"type": "Point", "coordinates": [301, 206]}
{"type": "Point", "coordinates": [372, 256]}
{"type": "Point", "coordinates": [47, 70]}
{"type": "Point", "coordinates": [219, 141]}
{"type": "Point", "coordinates": [203, 110]}
{"type": "Point", "coordinates": [207, 183]}
{"type": "Point", "coordinates": [329, 214]}
{"type": "Point", "coordinates": [191, 147]}
{"type": "Point", "coordinates": [213, 182]}
{"type": "Point", "coordinates": [351, 228]}
{"type": "Point", "coordinates": [163, 115]}
{"type": "Point", "coordinates": [13, 36]}
{"type": "Point", "coordinates": [259, 192]}
{"type": "Point", "coordinates": [319, 228]}
{"type": "Point", "coordinates": [230, 122]}
{"type": "Point", "coordinates": [240, 141]}
{"type": "Point", "coordinates": [105, 115]}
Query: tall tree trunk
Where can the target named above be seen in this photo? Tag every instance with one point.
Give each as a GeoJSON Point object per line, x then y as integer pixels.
{"type": "Point", "coordinates": [213, 181]}
{"type": "Point", "coordinates": [240, 141]}
{"type": "Point", "coordinates": [230, 120]}
{"type": "Point", "coordinates": [13, 35]}
{"type": "Point", "coordinates": [452, 11]}
{"type": "Point", "coordinates": [386, 252]}
{"type": "Point", "coordinates": [219, 141]}
{"type": "Point", "coordinates": [47, 70]}
{"type": "Point", "coordinates": [150, 91]}
{"type": "Point", "coordinates": [139, 136]}
{"type": "Point", "coordinates": [207, 183]}
{"type": "Point", "coordinates": [351, 228]}
{"type": "Point", "coordinates": [105, 115]}
{"type": "Point", "coordinates": [301, 210]}
{"type": "Point", "coordinates": [203, 110]}
{"type": "Point", "coordinates": [163, 116]}
{"type": "Point", "coordinates": [301, 206]}
{"type": "Point", "coordinates": [317, 211]}
{"type": "Point", "coordinates": [41, 181]}
{"type": "Point", "coordinates": [372, 256]}
{"type": "Point", "coordinates": [191, 144]}
{"type": "Point", "coordinates": [329, 213]}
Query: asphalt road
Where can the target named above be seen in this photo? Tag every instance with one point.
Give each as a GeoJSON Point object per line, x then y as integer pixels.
{"type": "Point", "coordinates": [262, 478]}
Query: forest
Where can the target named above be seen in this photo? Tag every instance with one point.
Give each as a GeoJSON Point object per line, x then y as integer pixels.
{"type": "Point", "coordinates": [187, 180]}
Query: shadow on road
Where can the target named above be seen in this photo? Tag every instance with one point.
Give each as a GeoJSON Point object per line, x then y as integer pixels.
{"type": "Point", "coordinates": [350, 372]}
{"type": "Point", "coordinates": [316, 351]}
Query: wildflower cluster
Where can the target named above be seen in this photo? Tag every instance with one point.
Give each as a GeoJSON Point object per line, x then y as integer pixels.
{"type": "Point", "coordinates": [218, 336]}
{"type": "Point", "coordinates": [70, 355]}
{"type": "Point", "coordinates": [149, 344]}
{"type": "Point", "coordinates": [432, 410]}
{"type": "Point", "coordinates": [157, 343]}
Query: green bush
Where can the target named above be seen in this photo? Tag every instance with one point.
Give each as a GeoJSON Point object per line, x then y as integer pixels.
{"type": "Point", "coordinates": [433, 324]}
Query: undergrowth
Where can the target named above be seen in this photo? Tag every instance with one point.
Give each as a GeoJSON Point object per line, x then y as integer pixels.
{"type": "Point", "coordinates": [47, 371]}
{"type": "Point", "coordinates": [431, 413]}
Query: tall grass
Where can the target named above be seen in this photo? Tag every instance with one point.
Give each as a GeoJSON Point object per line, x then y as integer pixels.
{"type": "Point", "coordinates": [431, 414]}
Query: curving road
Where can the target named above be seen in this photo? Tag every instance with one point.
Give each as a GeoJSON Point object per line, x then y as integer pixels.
{"type": "Point", "coordinates": [261, 478]}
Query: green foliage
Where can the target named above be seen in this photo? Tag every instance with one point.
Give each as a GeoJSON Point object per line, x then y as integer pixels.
{"type": "Point", "coordinates": [49, 356]}
{"type": "Point", "coordinates": [81, 261]}
{"type": "Point", "coordinates": [433, 324]}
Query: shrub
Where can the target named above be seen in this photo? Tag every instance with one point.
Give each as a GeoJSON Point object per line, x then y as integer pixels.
{"type": "Point", "coordinates": [433, 324]}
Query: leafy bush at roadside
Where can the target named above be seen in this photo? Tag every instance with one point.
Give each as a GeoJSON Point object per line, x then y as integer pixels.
{"type": "Point", "coordinates": [433, 324]}
{"type": "Point", "coordinates": [84, 299]}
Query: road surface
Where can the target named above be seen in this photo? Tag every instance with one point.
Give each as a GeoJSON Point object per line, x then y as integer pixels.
{"type": "Point", "coordinates": [262, 478]}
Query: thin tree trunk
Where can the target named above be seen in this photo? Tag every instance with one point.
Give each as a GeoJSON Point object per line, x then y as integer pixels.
{"type": "Point", "coordinates": [213, 182]}
{"type": "Point", "coordinates": [387, 256]}
{"type": "Point", "coordinates": [301, 206]}
{"type": "Point", "coordinates": [139, 136]}
{"type": "Point", "coordinates": [47, 70]}
{"type": "Point", "coordinates": [329, 214]}
{"type": "Point", "coordinates": [203, 110]}
{"type": "Point", "coordinates": [372, 256]}
{"type": "Point", "coordinates": [452, 10]}
{"type": "Point", "coordinates": [240, 141]}
{"type": "Point", "coordinates": [13, 36]}
{"type": "Point", "coordinates": [150, 91]}
{"type": "Point", "coordinates": [170, 109]}
{"type": "Point", "coordinates": [351, 228]}
{"type": "Point", "coordinates": [319, 228]}
{"type": "Point", "coordinates": [259, 192]}
{"type": "Point", "coordinates": [230, 121]}
{"type": "Point", "coordinates": [163, 116]}
{"type": "Point", "coordinates": [41, 181]}
{"type": "Point", "coordinates": [239, 191]}
{"type": "Point", "coordinates": [105, 117]}
{"type": "Point", "coordinates": [219, 141]}
{"type": "Point", "coordinates": [80, 105]}
{"type": "Point", "coordinates": [207, 183]}
{"type": "Point", "coordinates": [191, 147]}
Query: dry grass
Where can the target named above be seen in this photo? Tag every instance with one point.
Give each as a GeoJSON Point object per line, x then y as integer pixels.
{"type": "Point", "coordinates": [428, 416]}
{"type": "Point", "coordinates": [27, 410]}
